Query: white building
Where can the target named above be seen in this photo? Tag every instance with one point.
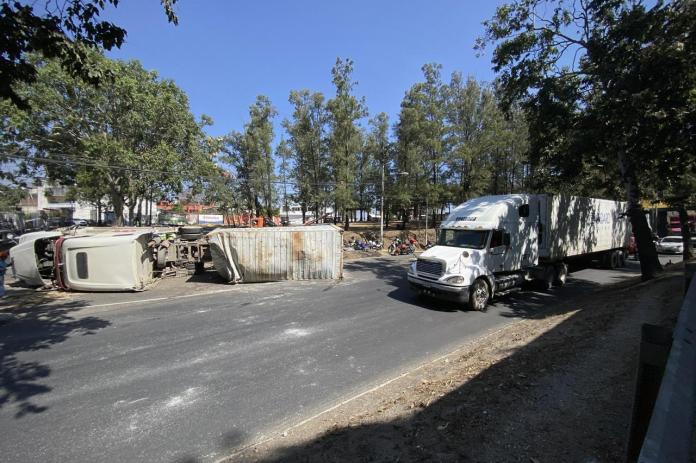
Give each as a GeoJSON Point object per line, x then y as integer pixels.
{"type": "Point", "coordinates": [52, 200]}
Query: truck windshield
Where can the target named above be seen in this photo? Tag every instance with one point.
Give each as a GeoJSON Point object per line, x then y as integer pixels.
{"type": "Point", "coordinates": [475, 239]}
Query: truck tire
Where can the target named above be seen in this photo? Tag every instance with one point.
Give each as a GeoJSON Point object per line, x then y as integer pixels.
{"type": "Point", "coordinates": [190, 233]}
{"type": "Point", "coordinates": [479, 295]}
{"type": "Point", "coordinates": [622, 259]}
{"type": "Point", "coordinates": [548, 278]}
{"type": "Point", "coordinates": [560, 274]}
{"type": "Point", "coordinates": [613, 260]}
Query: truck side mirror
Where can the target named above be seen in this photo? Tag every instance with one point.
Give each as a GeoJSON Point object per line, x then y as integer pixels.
{"type": "Point", "coordinates": [524, 210]}
{"type": "Point", "coordinates": [506, 239]}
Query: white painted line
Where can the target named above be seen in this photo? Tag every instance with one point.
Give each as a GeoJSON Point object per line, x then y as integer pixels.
{"type": "Point", "coordinates": [155, 299]}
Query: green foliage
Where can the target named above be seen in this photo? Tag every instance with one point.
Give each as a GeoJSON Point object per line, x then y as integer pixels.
{"type": "Point", "coordinates": [252, 156]}
{"type": "Point", "coordinates": [345, 140]}
{"type": "Point", "coordinates": [10, 196]}
{"type": "Point", "coordinates": [455, 143]}
{"type": "Point", "coordinates": [608, 89]}
{"type": "Point", "coordinates": [130, 139]}
{"type": "Point", "coordinates": [307, 142]}
{"type": "Point", "coordinates": [65, 31]}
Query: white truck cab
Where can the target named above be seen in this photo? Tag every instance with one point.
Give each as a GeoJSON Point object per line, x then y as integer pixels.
{"type": "Point", "coordinates": [491, 244]}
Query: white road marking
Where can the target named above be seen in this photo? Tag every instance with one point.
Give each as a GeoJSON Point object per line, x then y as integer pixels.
{"type": "Point", "coordinates": [155, 299]}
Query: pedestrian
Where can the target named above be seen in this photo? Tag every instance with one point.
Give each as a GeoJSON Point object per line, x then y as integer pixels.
{"type": "Point", "coordinates": [4, 254]}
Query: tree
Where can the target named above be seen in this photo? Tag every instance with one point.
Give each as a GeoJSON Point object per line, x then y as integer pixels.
{"type": "Point", "coordinates": [591, 78]}
{"type": "Point", "coordinates": [307, 141]}
{"type": "Point", "coordinates": [10, 196]}
{"type": "Point", "coordinates": [134, 136]}
{"type": "Point", "coordinates": [345, 137]}
{"type": "Point", "coordinates": [470, 113]}
{"type": "Point", "coordinates": [65, 31]}
{"type": "Point", "coordinates": [422, 129]}
{"type": "Point", "coordinates": [380, 151]}
{"type": "Point", "coordinates": [252, 155]}
{"type": "Point", "coordinates": [284, 152]}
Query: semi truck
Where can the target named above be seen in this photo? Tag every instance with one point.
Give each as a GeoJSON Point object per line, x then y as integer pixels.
{"type": "Point", "coordinates": [131, 259]}
{"type": "Point", "coordinates": [491, 245]}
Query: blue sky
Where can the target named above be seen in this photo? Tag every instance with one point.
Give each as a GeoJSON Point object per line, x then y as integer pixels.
{"type": "Point", "coordinates": [224, 52]}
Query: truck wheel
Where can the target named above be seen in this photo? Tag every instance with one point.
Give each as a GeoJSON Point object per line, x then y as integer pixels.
{"type": "Point", "coordinates": [479, 295]}
{"type": "Point", "coordinates": [548, 278]}
{"type": "Point", "coordinates": [190, 233]}
{"type": "Point", "coordinates": [561, 274]}
{"type": "Point", "coordinates": [613, 260]}
{"type": "Point", "coordinates": [622, 259]}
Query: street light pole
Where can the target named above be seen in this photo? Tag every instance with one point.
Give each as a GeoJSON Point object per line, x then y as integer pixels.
{"type": "Point", "coordinates": [426, 219]}
{"type": "Point", "coordinates": [381, 212]}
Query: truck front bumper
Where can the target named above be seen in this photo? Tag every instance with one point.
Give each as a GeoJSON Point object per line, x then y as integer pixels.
{"type": "Point", "coordinates": [438, 290]}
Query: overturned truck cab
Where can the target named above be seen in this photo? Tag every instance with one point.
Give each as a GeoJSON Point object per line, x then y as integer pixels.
{"type": "Point", "coordinates": [117, 261]}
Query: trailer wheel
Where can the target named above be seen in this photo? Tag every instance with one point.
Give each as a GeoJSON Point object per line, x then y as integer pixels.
{"type": "Point", "coordinates": [613, 260]}
{"type": "Point", "coordinates": [479, 295]}
{"type": "Point", "coordinates": [561, 274]}
{"type": "Point", "coordinates": [548, 278]}
{"type": "Point", "coordinates": [622, 259]}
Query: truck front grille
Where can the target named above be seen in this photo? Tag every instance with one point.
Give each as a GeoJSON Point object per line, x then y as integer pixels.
{"type": "Point", "coordinates": [431, 267]}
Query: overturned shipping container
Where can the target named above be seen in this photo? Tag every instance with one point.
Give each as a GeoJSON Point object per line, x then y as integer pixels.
{"type": "Point", "coordinates": [274, 254]}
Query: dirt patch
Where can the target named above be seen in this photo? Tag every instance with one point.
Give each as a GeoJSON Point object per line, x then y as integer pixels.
{"type": "Point", "coordinates": [556, 387]}
{"type": "Point", "coordinates": [350, 254]}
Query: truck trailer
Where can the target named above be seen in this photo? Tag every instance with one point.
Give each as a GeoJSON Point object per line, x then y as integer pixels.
{"type": "Point", "coordinates": [493, 244]}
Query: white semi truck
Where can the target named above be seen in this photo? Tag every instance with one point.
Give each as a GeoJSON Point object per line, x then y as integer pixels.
{"type": "Point", "coordinates": [490, 245]}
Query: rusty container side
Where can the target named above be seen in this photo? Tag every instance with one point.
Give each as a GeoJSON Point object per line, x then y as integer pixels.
{"type": "Point", "coordinates": [275, 254]}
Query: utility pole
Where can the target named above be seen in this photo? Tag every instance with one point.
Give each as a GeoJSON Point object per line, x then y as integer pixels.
{"type": "Point", "coordinates": [381, 211]}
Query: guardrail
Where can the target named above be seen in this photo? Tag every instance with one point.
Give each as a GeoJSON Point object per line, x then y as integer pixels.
{"type": "Point", "coordinates": [671, 429]}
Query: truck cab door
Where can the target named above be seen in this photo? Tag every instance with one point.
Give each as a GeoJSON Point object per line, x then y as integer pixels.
{"type": "Point", "coordinates": [497, 251]}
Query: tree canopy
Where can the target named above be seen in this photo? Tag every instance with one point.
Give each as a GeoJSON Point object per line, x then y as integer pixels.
{"type": "Point", "coordinates": [602, 110]}
{"type": "Point", "coordinates": [65, 30]}
{"type": "Point", "coordinates": [130, 139]}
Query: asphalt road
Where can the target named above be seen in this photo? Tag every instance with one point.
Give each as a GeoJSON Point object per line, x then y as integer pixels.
{"type": "Point", "coordinates": [192, 378]}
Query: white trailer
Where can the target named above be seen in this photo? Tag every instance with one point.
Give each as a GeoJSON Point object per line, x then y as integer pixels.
{"type": "Point", "coordinates": [492, 244]}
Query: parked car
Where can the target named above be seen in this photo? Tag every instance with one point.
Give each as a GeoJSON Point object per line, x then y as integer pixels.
{"type": "Point", "coordinates": [671, 245]}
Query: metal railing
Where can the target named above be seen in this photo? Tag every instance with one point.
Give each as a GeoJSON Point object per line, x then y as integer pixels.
{"type": "Point", "coordinates": [671, 429]}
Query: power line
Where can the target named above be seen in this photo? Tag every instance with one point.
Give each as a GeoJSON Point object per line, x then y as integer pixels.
{"type": "Point", "coordinates": [65, 162]}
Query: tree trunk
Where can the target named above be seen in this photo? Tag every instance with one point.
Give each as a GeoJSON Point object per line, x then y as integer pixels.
{"type": "Point", "coordinates": [347, 222]}
{"type": "Point", "coordinates": [99, 213]}
{"type": "Point", "coordinates": [649, 262]}
{"type": "Point", "coordinates": [131, 212]}
{"type": "Point", "coordinates": [685, 231]}
{"type": "Point", "coordinates": [140, 213]}
{"type": "Point", "coordinates": [117, 202]}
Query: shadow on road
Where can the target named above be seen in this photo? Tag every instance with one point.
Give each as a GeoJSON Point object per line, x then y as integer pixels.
{"type": "Point", "coordinates": [35, 328]}
{"type": "Point", "coordinates": [483, 419]}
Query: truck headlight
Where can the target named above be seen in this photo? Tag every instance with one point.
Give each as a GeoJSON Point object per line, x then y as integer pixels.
{"type": "Point", "coordinates": [456, 280]}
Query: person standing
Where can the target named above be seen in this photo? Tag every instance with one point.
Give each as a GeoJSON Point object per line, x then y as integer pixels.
{"type": "Point", "coordinates": [4, 254]}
